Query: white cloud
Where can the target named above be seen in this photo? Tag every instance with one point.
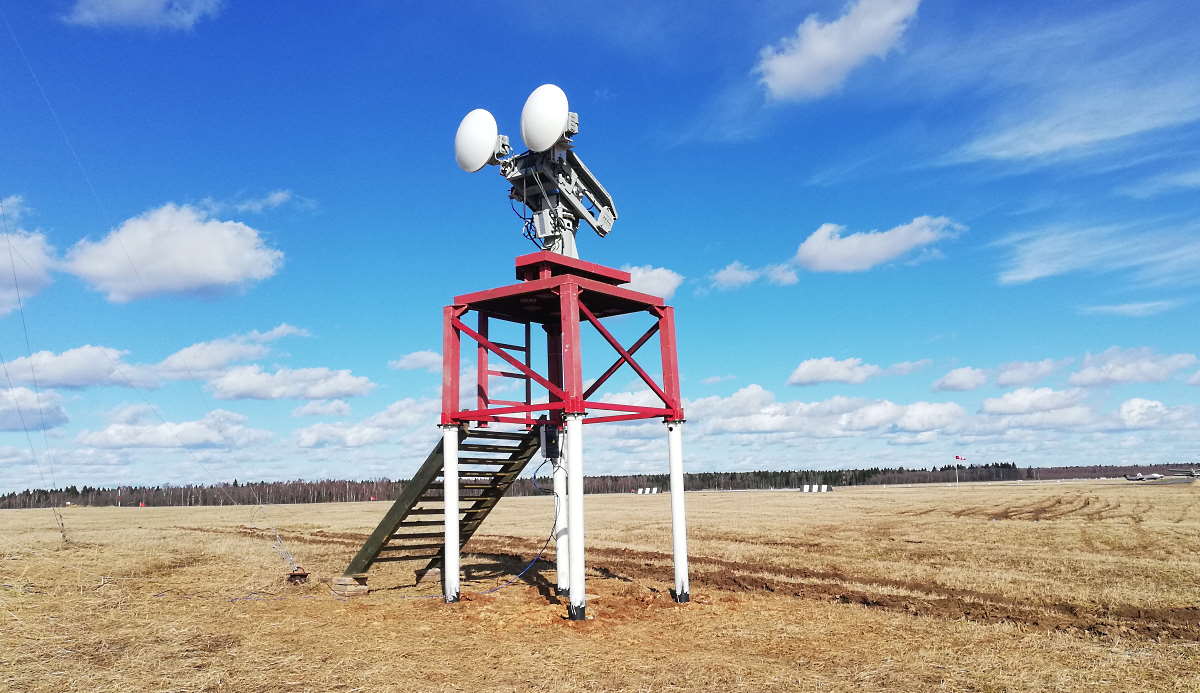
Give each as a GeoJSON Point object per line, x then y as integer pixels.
{"type": "Point", "coordinates": [340, 435]}
{"type": "Point", "coordinates": [929, 416]}
{"type": "Point", "coordinates": [819, 58]}
{"type": "Point", "coordinates": [1115, 366]}
{"type": "Point", "coordinates": [1026, 400]}
{"type": "Point", "coordinates": [153, 14]}
{"type": "Point", "coordinates": [1142, 413]}
{"type": "Point", "coordinates": [656, 281]}
{"type": "Point", "coordinates": [423, 360]}
{"type": "Point", "coordinates": [22, 409]}
{"type": "Point", "coordinates": [322, 407]}
{"type": "Point", "coordinates": [734, 275]}
{"type": "Point", "coordinates": [32, 257]}
{"type": "Point", "coordinates": [1152, 256]}
{"type": "Point", "coordinates": [850, 370]}
{"type": "Point", "coordinates": [173, 249]}
{"type": "Point", "coordinates": [1164, 183]}
{"type": "Point", "coordinates": [218, 429]}
{"type": "Point", "coordinates": [961, 379]}
{"type": "Point", "coordinates": [714, 379]}
{"type": "Point", "coordinates": [1081, 82]}
{"type": "Point", "coordinates": [1027, 372]}
{"type": "Point", "coordinates": [377, 428]}
{"type": "Point", "coordinates": [271, 200]}
{"type": "Point", "coordinates": [831, 370]}
{"type": "Point", "coordinates": [907, 367]}
{"type": "Point", "coordinates": [251, 382]}
{"type": "Point", "coordinates": [1195, 379]}
{"type": "Point", "coordinates": [84, 366]}
{"type": "Point", "coordinates": [203, 358]}
{"type": "Point", "coordinates": [132, 413]}
{"type": "Point", "coordinates": [1132, 310]}
{"type": "Point", "coordinates": [827, 250]}
{"type": "Point", "coordinates": [780, 275]}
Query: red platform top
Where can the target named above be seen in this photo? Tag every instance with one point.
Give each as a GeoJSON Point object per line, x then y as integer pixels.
{"type": "Point", "coordinates": [545, 264]}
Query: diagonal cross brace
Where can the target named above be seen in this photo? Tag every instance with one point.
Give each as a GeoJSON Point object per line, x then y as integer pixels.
{"type": "Point", "coordinates": [625, 355]}
{"type": "Point", "coordinates": [483, 341]}
{"type": "Point", "coordinates": [617, 364]}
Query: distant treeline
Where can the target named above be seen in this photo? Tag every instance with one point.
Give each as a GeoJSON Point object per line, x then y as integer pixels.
{"type": "Point", "coordinates": [299, 491]}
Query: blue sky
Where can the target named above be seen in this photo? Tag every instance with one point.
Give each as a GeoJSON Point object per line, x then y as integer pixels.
{"type": "Point", "coordinates": [895, 231]}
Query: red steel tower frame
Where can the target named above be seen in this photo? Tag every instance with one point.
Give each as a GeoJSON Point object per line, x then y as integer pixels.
{"type": "Point", "coordinates": [559, 294]}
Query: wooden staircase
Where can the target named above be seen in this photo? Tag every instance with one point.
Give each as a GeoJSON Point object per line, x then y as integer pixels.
{"type": "Point", "coordinates": [413, 529]}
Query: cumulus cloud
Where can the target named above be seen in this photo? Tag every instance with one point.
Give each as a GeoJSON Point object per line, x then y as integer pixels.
{"type": "Point", "coordinates": [252, 382]}
{"type": "Point", "coordinates": [827, 250]}
{"type": "Point", "coordinates": [1027, 372]}
{"type": "Point", "coordinates": [149, 14]}
{"type": "Point", "coordinates": [831, 370]}
{"type": "Point", "coordinates": [656, 281]}
{"type": "Point", "coordinates": [850, 370]}
{"type": "Point", "coordinates": [1116, 366]}
{"type": "Point", "coordinates": [375, 429]}
{"type": "Point", "coordinates": [84, 366]}
{"type": "Point", "coordinates": [753, 409]}
{"type": "Point", "coordinates": [203, 358]}
{"type": "Point", "coordinates": [423, 360]}
{"type": "Point", "coordinates": [734, 275]}
{"type": "Point", "coordinates": [1132, 310]}
{"type": "Point", "coordinates": [32, 257]}
{"type": "Point", "coordinates": [22, 409]}
{"type": "Point", "coordinates": [173, 249]}
{"type": "Point", "coordinates": [819, 58]}
{"type": "Point", "coordinates": [961, 379]}
{"type": "Point", "coordinates": [322, 407]}
{"type": "Point", "coordinates": [218, 429]}
{"type": "Point", "coordinates": [1026, 400]}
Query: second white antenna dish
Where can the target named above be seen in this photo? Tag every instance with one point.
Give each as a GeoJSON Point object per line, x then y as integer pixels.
{"type": "Point", "coordinates": [544, 118]}
{"type": "Point", "coordinates": [475, 141]}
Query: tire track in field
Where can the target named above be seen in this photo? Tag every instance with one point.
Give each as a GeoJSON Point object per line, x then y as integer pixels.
{"type": "Point", "coordinates": [926, 598]}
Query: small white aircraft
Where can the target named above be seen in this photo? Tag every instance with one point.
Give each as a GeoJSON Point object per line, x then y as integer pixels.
{"type": "Point", "coordinates": [1142, 477]}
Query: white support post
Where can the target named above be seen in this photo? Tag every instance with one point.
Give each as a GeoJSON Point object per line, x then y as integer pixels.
{"type": "Point", "coordinates": [574, 454]}
{"type": "Point", "coordinates": [682, 592]}
{"type": "Point", "coordinates": [450, 557]}
{"type": "Point", "coordinates": [562, 543]}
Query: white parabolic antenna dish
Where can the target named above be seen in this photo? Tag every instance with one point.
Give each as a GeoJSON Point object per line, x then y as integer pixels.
{"type": "Point", "coordinates": [544, 118]}
{"type": "Point", "coordinates": [475, 141]}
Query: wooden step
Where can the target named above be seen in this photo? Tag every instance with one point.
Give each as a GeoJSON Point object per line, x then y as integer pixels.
{"type": "Point", "coordinates": [421, 523]}
{"type": "Point", "coordinates": [418, 535]}
{"type": "Point", "coordinates": [410, 547]}
{"type": "Point", "coordinates": [384, 559]}
{"type": "Point", "coordinates": [442, 485]}
{"type": "Point", "coordinates": [485, 460]}
{"type": "Point", "coordinates": [482, 473]}
{"type": "Point", "coordinates": [483, 447]}
{"type": "Point", "coordinates": [438, 511]}
{"type": "Point", "coordinates": [495, 435]}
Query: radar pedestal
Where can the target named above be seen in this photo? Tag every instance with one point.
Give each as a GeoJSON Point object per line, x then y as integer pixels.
{"type": "Point", "coordinates": [560, 297]}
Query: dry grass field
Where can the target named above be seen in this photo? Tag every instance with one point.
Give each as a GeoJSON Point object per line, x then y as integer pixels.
{"type": "Point", "coordinates": [1049, 586]}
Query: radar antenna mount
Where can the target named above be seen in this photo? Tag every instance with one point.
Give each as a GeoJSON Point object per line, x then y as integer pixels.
{"type": "Point", "coordinates": [549, 180]}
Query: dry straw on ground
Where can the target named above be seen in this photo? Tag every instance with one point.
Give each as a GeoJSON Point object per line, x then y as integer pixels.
{"type": "Point", "coordinates": [989, 587]}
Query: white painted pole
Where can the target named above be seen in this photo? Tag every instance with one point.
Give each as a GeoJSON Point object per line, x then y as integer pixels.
{"type": "Point", "coordinates": [678, 519]}
{"type": "Point", "coordinates": [450, 557]}
{"type": "Point", "coordinates": [578, 606]}
{"type": "Point", "coordinates": [562, 543]}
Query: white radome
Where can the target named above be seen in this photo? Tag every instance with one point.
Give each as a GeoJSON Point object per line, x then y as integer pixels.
{"type": "Point", "coordinates": [544, 117]}
{"type": "Point", "coordinates": [475, 141]}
